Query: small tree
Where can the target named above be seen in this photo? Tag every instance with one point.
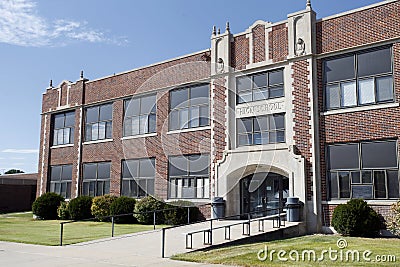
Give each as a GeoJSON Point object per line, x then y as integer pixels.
{"type": "Point", "coordinates": [393, 224]}
{"type": "Point", "coordinates": [356, 218]}
{"type": "Point", "coordinates": [13, 171]}
{"type": "Point", "coordinates": [45, 206]}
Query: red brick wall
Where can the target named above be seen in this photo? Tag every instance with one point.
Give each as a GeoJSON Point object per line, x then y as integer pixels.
{"type": "Point", "coordinates": [240, 52]}
{"type": "Point", "coordinates": [301, 100]}
{"type": "Point", "coordinates": [278, 43]}
{"type": "Point", "coordinates": [258, 43]}
{"type": "Point", "coordinates": [359, 28]}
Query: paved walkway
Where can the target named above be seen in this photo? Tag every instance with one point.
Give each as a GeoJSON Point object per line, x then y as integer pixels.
{"type": "Point", "coordinates": [140, 249]}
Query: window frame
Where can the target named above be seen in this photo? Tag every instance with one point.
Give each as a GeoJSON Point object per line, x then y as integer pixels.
{"type": "Point", "coordinates": [152, 112]}
{"type": "Point", "coordinates": [96, 180]}
{"type": "Point", "coordinates": [60, 181]}
{"type": "Point", "coordinates": [357, 79]}
{"type": "Point", "coordinates": [268, 131]}
{"type": "Point", "coordinates": [107, 122]}
{"type": "Point", "coordinates": [186, 180]}
{"type": "Point", "coordinates": [56, 130]}
{"type": "Point", "coordinates": [254, 88]}
{"type": "Point", "coordinates": [135, 180]}
{"type": "Point", "coordinates": [179, 109]}
{"type": "Point", "coordinates": [361, 170]}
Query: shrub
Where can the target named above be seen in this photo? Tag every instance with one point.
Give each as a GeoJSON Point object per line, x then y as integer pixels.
{"type": "Point", "coordinates": [79, 208]}
{"type": "Point", "coordinates": [101, 206]}
{"type": "Point", "coordinates": [123, 205]}
{"type": "Point", "coordinates": [145, 206]}
{"type": "Point", "coordinates": [45, 206]}
{"type": "Point", "coordinates": [393, 224]}
{"type": "Point", "coordinates": [177, 213]}
{"type": "Point", "coordinates": [62, 211]}
{"type": "Point", "coordinates": [356, 218]}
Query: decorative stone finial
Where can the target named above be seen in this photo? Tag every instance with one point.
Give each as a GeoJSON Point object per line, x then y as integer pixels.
{"type": "Point", "coordinates": [219, 31]}
{"type": "Point", "coordinates": [227, 27]}
{"type": "Point", "coordinates": [81, 74]}
{"type": "Point", "coordinates": [308, 3]}
{"type": "Point", "coordinates": [214, 31]}
{"type": "Point", "coordinates": [51, 84]}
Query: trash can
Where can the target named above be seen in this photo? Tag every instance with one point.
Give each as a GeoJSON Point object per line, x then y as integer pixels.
{"type": "Point", "coordinates": [218, 207]}
{"type": "Point", "coordinates": [293, 209]}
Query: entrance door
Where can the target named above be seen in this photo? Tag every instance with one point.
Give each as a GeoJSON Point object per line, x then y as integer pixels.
{"type": "Point", "coordinates": [261, 193]}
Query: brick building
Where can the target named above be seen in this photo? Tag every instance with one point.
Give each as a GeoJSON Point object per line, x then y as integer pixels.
{"type": "Point", "coordinates": [303, 107]}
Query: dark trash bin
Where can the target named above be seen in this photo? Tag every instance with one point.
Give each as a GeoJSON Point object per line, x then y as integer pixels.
{"type": "Point", "coordinates": [293, 209]}
{"type": "Point", "coordinates": [218, 208]}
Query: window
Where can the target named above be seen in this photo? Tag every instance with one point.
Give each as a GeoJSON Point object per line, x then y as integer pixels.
{"type": "Point", "coordinates": [96, 179]}
{"type": "Point", "coordinates": [61, 180]}
{"type": "Point", "coordinates": [189, 176]}
{"type": "Point", "coordinates": [260, 86]}
{"type": "Point", "coordinates": [357, 79]}
{"type": "Point", "coordinates": [365, 170]}
{"type": "Point", "coordinates": [99, 123]}
{"type": "Point", "coordinates": [189, 107]}
{"type": "Point", "coordinates": [140, 115]}
{"type": "Point", "coordinates": [261, 130]}
{"type": "Point", "coordinates": [138, 177]}
{"type": "Point", "coordinates": [63, 128]}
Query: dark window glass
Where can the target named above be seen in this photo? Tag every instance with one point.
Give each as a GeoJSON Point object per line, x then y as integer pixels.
{"type": "Point", "coordinates": [199, 165]}
{"type": "Point", "coordinates": [55, 173]}
{"type": "Point", "coordinates": [243, 83]}
{"type": "Point", "coordinates": [355, 177]}
{"type": "Point", "coordinates": [245, 125]}
{"type": "Point", "coordinates": [334, 185]}
{"type": "Point", "coordinates": [199, 95]}
{"type": "Point", "coordinates": [103, 170]}
{"type": "Point", "coordinates": [178, 166]}
{"type": "Point", "coordinates": [384, 89]}
{"type": "Point", "coordinates": [59, 121]}
{"type": "Point", "coordinates": [96, 179]}
{"type": "Point", "coordinates": [343, 156]}
{"type": "Point", "coordinates": [147, 168]}
{"type": "Point", "coordinates": [276, 77]}
{"type": "Point", "coordinates": [63, 128]}
{"type": "Point", "coordinates": [60, 180]}
{"type": "Point", "coordinates": [179, 97]}
{"type": "Point", "coordinates": [92, 114]}
{"type": "Point", "coordinates": [66, 172]}
{"type": "Point", "coordinates": [98, 123]}
{"type": "Point", "coordinates": [380, 184]}
{"type": "Point", "coordinates": [132, 107]}
{"type": "Point", "coordinates": [90, 171]}
{"type": "Point", "coordinates": [375, 62]}
{"type": "Point", "coordinates": [379, 154]}
{"type": "Point", "coordinates": [140, 116]}
{"type": "Point", "coordinates": [260, 80]}
{"type": "Point", "coordinates": [106, 112]}
{"type": "Point", "coordinates": [339, 69]}
{"type": "Point", "coordinates": [393, 184]}
{"type": "Point", "coordinates": [138, 177]}
{"type": "Point", "coordinates": [344, 183]}
{"type": "Point", "coordinates": [367, 177]}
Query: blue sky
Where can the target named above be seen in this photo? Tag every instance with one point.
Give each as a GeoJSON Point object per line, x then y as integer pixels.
{"type": "Point", "coordinates": [42, 40]}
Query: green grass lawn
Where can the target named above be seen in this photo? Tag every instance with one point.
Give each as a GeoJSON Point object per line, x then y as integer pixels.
{"type": "Point", "coordinates": [246, 255]}
{"type": "Point", "coordinates": [21, 227]}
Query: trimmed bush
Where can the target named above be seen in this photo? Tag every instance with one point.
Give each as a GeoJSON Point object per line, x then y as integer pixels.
{"type": "Point", "coordinates": [123, 205]}
{"type": "Point", "coordinates": [45, 207]}
{"type": "Point", "coordinates": [62, 211]}
{"type": "Point", "coordinates": [393, 224]}
{"type": "Point", "coordinates": [145, 206]}
{"type": "Point", "coordinates": [79, 208]}
{"type": "Point", "coordinates": [101, 207]}
{"type": "Point", "coordinates": [356, 218]}
{"type": "Point", "coordinates": [178, 213]}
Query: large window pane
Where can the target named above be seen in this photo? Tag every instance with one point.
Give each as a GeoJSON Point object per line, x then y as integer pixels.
{"type": "Point", "coordinates": [379, 154]}
{"type": "Point", "coordinates": [245, 125]}
{"type": "Point", "coordinates": [277, 122]}
{"type": "Point", "coordinates": [384, 89]}
{"type": "Point", "coordinates": [132, 107]}
{"type": "Point", "coordinates": [89, 171]}
{"type": "Point", "coordinates": [339, 69]}
{"type": "Point", "coordinates": [245, 97]}
{"type": "Point", "coordinates": [69, 119]}
{"type": "Point", "coordinates": [260, 94]}
{"type": "Point", "coordinates": [276, 77]}
{"type": "Point", "coordinates": [375, 62]}
{"type": "Point", "coordinates": [260, 80]}
{"type": "Point", "coordinates": [183, 118]}
{"type": "Point", "coordinates": [348, 94]}
{"type": "Point", "coordinates": [92, 114]}
{"type": "Point", "coordinates": [55, 173]}
{"type": "Point", "coordinates": [66, 172]}
{"type": "Point", "coordinates": [147, 168]}
{"type": "Point", "coordinates": [199, 95]}
{"type": "Point", "coordinates": [148, 104]}
{"type": "Point", "coordinates": [332, 96]}
{"type": "Point", "coordinates": [106, 112]}
{"type": "Point", "coordinates": [243, 83]}
{"type": "Point", "coordinates": [179, 98]}
{"type": "Point", "coordinates": [366, 91]}
{"type": "Point", "coordinates": [178, 166]}
{"type": "Point", "coordinates": [59, 121]}
{"type": "Point", "coordinates": [103, 171]}
{"type": "Point", "coordinates": [199, 165]}
{"type": "Point", "coordinates": [343, 156]}
{"type": "Point", "coordinates": [174, 120]}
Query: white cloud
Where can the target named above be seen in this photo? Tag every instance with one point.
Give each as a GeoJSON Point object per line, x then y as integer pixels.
{"type": "Point", "coordinates": [20, 24]}
{"type": "Point", "coordinates": [20, 151]}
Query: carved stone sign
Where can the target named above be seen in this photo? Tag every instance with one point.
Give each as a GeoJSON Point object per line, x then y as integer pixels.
{"type": "Point", "coordinates": [258, 109]}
